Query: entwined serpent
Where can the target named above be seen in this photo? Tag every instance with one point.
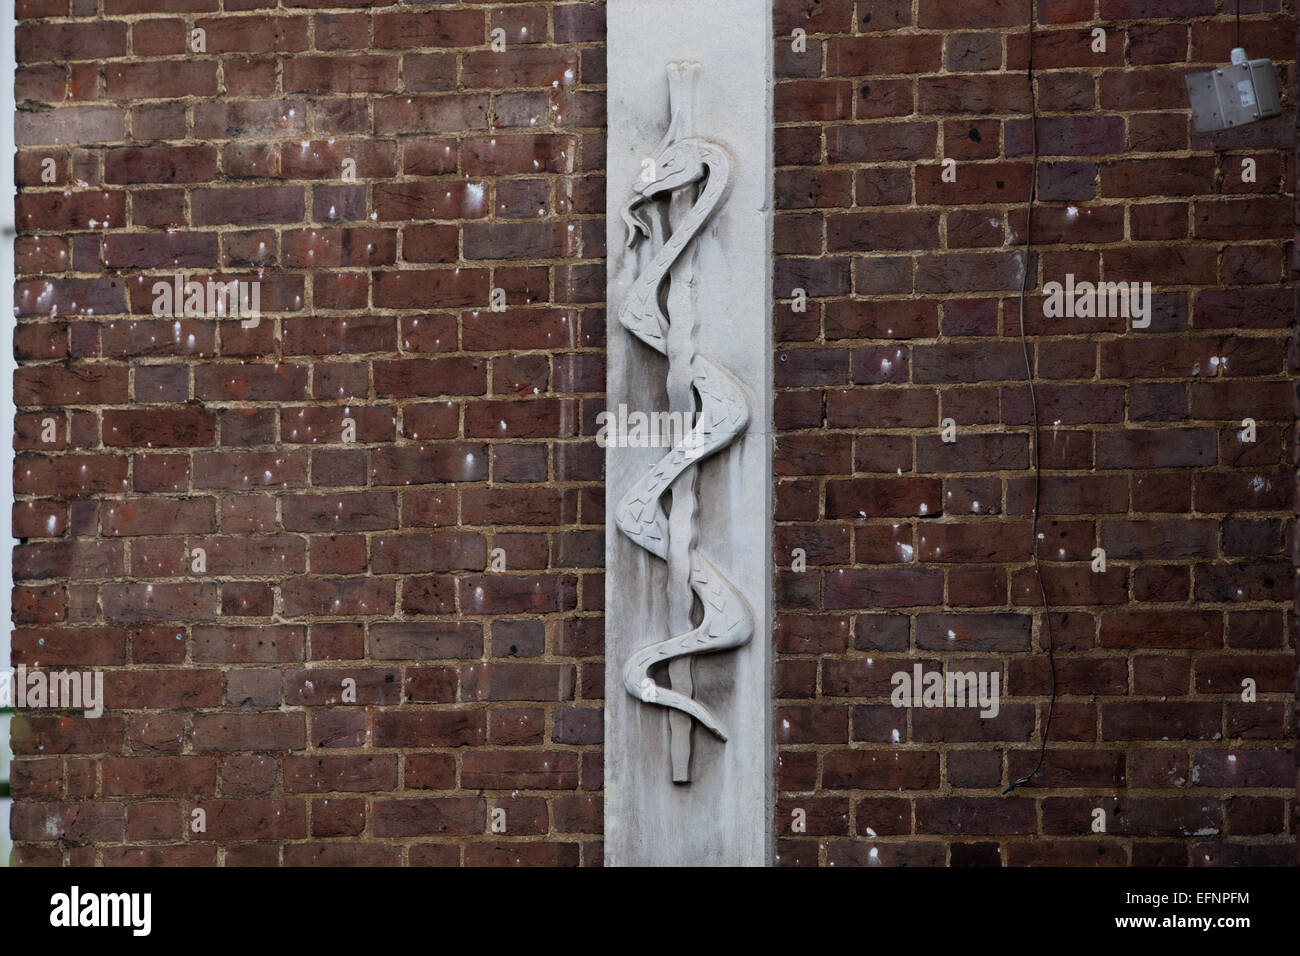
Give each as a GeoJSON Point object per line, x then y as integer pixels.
{"type": "Point", "coordinates": [722, 416]}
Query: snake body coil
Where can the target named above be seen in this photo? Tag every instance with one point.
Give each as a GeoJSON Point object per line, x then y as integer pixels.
{"type": "Point", "coordinates": [722, 416]}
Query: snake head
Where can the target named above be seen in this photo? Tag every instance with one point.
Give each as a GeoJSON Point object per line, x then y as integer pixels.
{"type": "Point", "coordinates": [679, 164]}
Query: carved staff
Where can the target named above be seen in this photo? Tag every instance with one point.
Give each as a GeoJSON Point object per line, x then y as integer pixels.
{"type": "Point", "coordinates": [681, 398]}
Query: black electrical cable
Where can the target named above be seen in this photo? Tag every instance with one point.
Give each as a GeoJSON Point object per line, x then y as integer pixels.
{"type": "Point", "coordinates": [1238, 42]}
{"type": "Point", "coordinates": [1033, 402]}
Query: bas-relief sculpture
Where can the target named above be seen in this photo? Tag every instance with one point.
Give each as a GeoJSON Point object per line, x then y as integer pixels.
{"type": "Point", "coordinates": [683, 184]}
{"type": "Point", "coordinates": [688, 524]}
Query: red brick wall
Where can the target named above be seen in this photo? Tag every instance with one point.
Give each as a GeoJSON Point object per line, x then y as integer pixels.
{"type": "Point", "coordinates": [479, 689]}
{"type": "Point", "coordinates": [371, 559]}
{"type": "Point", "coordinates": [918, 550]}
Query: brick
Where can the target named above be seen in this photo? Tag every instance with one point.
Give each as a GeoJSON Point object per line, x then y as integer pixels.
{"type": "Point", "coordinates": [36, 42]}
{"type": "Point", "coordinates": [340, 74]}
{"type": "Point", "coordinates": [973, 93]}
{"type": "Point", "coordinates": [517, 682]}
{"type": "Point", "coordinates": [259, 34]}
{"type": "Point", "coordinates": [935, 14]}
{"type": "Point", "coordinates": [868, 55]}
{"type": "Point", "coordinates": [147, 80]}
{"type": "Point", "coordinates": [519, 67]}
{"type": "Point", "coordinates": [520, 770]}
{"type": "Point", "coordinates": [902, 587]}
{"type": "Point", "coordinates": [882, 497]}
{"type": "Point", "coordinates": [261, 205]}
{"type": "Point", "coordinates": [158, 776]}
{"type": "Point", "coordinates": [339, 772]}
{"type": "Point", "coordinates": [435, 114]}
{"type": "Point", "coordinates": [880, 769]}
{"type": "Point", "coordinates": [274, 819]}
{"type": "Point", "coordinates": [881, 143]}
{"type": "Point", "coordinates": [72, 823]}
{"type": "Point", "coordinates": [160, 164]}
{"type": "Point", "coordinates": [1160, 721]}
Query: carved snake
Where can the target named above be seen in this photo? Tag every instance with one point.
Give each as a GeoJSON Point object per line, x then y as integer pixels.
{"type": "Point", "coordinates": [723, 414]}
